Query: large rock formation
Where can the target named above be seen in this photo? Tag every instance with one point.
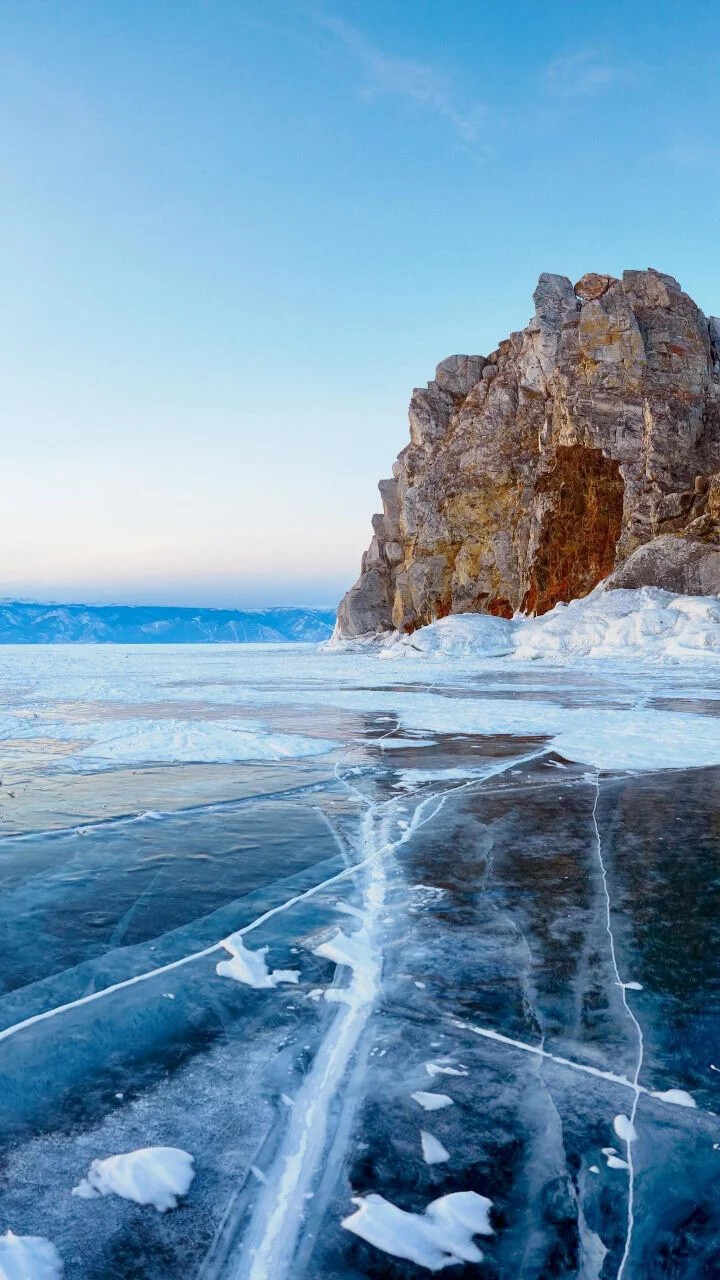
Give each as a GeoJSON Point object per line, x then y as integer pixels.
{"type": "Point", "coordinates": [533, 472]}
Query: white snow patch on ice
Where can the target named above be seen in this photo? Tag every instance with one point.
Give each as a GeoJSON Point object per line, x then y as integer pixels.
{"type": "Point", "coordinates": [437, 1069]}
{"type": "Point", "coordinates": [614, 1162]}
{"type": "Point", "coordinates": [431, 1101]}
{"type": "Point", "coordinates": [678, 1097]}
{"type": "Point", "coordinates": [440, 1237]}
{"type": "Point", "coordinates": [351, 950]}
{"type": "Point", "coordinates": [433, 1150]}
{"type": "Point", "coordinates": [28, 1258]}
{"type": "Point", "coordinates": [152, 1175]}
{"type": "Point", "coordinates": [250, 967]}
{"type": "Point", "coordinates": [624, 1128]}
{"type": "Point", "coordinates": [411, 778]}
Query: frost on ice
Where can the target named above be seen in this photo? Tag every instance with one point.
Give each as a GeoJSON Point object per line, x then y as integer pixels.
{"type": "Point", "coordinates": [28, 1258]}
{"type": "Point", "coordinates": [250, 967]}
{"type": "Point", "coordinates": [440, 1237]}
{"type": "Point", "coordinates": [152, 1175]}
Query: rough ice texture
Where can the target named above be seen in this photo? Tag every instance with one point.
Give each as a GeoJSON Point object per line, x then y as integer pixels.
{"type": "Point", "coordinates": [250, 967]}
{"type": "Point", "coordinates": [192, 742]}
{"type": "Point", "coordinates": [533, 473]}
{"type": "Point", "coordinates": [152, 1175]}
{"type": "Point", "coordinates": [28, 1258]}
{"type": "Point", "coordinates": [440, 1237]}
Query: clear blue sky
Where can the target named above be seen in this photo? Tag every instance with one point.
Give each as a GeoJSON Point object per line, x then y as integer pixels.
{"type": "Point", "coordinates": [236, 233]}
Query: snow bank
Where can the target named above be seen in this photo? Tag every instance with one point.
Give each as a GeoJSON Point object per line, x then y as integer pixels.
{"type": "Point", "coordinates": [152, 1175]}
{"type": "Point", "coordinates": [440, 1237]}
{"type": "Point", "coordinates": [464, 635]}
{"type": "Point", "coordinates": [250, 967]}
{"type": "Point", "coordinates": [28, 1258]}
{"type": "Point", "coordinates": [648, 623]}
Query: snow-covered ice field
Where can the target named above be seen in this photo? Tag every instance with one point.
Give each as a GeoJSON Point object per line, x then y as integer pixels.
{"type": "Point", "coordinates": [323, 966]}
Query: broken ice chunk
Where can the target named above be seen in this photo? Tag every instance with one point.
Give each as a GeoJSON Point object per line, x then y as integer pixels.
{"type": "Point", "coordinates": [152, 1175]}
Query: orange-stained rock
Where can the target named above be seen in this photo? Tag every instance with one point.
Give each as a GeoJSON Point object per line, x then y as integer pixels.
{"type": "Point", "coordinates": [531, 475]}
{"type": "Point", "coordinates": [593, 286]}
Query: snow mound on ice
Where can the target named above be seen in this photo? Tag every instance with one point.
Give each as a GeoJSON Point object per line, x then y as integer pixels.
{"type": "Point", "coordinates": [152, 1175]}
{"type": "Point", "coordinates": [250, 967]}
{"type": "Point", "coordinates": [647, 623]}
{"type": "Point", "coordinates": [464, 635]}
{"type": "Point", "coordinates": [440, 1237]}
{"type": "Point", "coordinates": [28, 1258]}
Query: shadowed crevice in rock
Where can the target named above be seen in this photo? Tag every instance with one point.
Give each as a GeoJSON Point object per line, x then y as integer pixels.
{"type": "Point", "coordinates": [579, 529]}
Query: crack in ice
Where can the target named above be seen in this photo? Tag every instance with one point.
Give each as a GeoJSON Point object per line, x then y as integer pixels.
{"type": "Point", "coordinates": [269, 1246]}
{"type": "Point", "coordinates": [635, 1082]}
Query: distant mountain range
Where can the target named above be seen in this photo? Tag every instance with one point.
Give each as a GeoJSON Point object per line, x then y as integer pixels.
{"type": "Point", "coordinates": [22, 623]}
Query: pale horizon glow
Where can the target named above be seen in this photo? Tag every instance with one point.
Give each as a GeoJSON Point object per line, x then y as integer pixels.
{"type": "Point", "coordinates": [236, 239]}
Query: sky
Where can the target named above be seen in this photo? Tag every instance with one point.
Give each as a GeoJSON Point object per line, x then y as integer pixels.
{"type": "Point", "coordinates": [235, 234]}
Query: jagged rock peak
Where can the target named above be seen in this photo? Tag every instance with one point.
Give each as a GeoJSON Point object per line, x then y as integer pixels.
{"type": "Point", "coordinates": [534, 472]}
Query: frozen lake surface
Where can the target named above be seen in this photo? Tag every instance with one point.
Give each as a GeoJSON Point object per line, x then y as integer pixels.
{"type": "Point", "coordinates": [404, 965]}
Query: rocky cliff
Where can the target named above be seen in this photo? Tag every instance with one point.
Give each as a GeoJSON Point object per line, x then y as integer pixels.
{"type": "Point", "coordinates": [534, 472]}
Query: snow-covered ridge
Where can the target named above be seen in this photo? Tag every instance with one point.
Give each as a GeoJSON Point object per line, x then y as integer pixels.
{"type": "Point", "coordinates": [647, 624]}
{"type": "Point", "coordinates": [22, 623]}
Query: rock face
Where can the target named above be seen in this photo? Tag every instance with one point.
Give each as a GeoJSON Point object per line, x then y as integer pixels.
{"type": "Point", "coordinates": [685, 565]}
{"type": "Point", "coordinates": [532, 473]}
